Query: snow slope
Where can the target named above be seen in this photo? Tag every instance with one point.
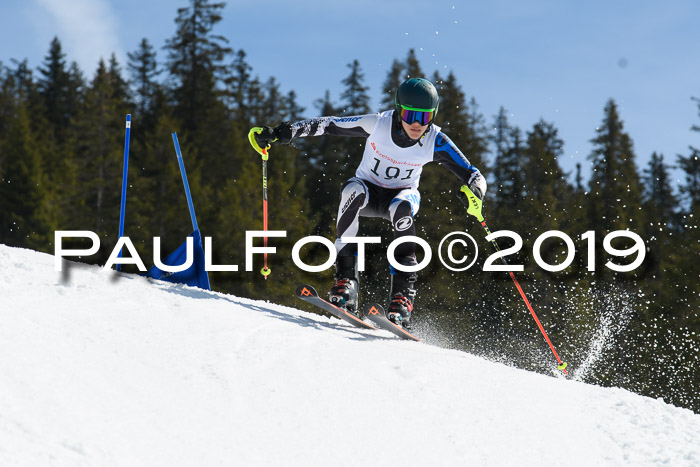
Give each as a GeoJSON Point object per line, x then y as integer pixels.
{"type": "Point", "coordinates": [100, 369]}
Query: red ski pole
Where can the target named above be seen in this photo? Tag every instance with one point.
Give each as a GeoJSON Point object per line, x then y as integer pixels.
{"type": "Point", "coordinates": [265, 271]}
{"type": "Point", "coordinates": [474, 208]}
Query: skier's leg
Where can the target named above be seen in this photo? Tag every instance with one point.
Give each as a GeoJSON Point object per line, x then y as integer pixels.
{"type": "Point", "coordinates": [353, 197]}
{"type": "Point", "coordinates": [403, 293]}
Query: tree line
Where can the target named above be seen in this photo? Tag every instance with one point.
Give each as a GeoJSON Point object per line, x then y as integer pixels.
{"type": "Point", "coordinates": [61, 143]}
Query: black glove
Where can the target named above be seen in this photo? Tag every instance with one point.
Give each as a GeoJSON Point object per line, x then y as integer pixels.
{"type": "Point", "coordinates": [477, 185]}
{"type": "Point", "coordinates": [265, 137]}
{"type": "Point", "coordinates": [281, 134]}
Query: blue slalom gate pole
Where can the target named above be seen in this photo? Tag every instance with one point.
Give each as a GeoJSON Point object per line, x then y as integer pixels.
{"type": "Point", "coordinates": [184, 180]}
{"type": "Point", "coordinates": [127, 137]}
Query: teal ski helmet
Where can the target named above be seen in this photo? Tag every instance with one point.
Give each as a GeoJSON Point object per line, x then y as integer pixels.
{"type": "Point", "coordinates": [417, 100]}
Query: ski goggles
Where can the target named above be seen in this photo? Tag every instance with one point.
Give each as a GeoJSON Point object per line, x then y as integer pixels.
{"type": "Point", "coordinates": [422, 116]}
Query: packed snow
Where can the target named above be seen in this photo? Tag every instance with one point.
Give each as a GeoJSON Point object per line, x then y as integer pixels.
{"type": "Point", "coordinates": [99, 368]}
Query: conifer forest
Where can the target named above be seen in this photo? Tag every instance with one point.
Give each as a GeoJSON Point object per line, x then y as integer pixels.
{"type": "Point", "coordinates": [61, 161]}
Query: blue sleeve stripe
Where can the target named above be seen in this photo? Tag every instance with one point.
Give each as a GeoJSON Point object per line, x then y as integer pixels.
{"type": "Point", "coordinates": [445, 144]}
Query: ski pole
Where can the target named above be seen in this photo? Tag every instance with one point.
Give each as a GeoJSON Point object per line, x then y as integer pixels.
{"type": "Point", "coordinates": [474, 208]}
{"type": "Point", "coordinates": [127, 137]}
{"type": "Point", "coordinates": [265, 271]}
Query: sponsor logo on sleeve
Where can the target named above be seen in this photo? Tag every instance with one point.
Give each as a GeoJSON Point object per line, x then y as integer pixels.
{"type": "Point", "coordinates": [403, 224]}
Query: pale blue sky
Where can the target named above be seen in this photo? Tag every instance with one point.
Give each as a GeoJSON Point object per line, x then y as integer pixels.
{"type": "Point", "coordinates": [557, 60]}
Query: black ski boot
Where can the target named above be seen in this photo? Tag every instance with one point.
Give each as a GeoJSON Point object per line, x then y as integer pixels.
{"type": "Point", "coordinates": [344, 292]}
{"type": "Point", "coordinates": [401, 299]}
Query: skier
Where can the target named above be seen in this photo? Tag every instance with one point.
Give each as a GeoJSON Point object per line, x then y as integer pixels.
{"type": "Point", "coordinates": [399, 143]}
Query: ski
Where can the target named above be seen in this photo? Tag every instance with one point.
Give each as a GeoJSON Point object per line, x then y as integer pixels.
{"type": "Point", "coordinates": [309, 294]}
{"type": "Point", "coordinates": [376, 314]}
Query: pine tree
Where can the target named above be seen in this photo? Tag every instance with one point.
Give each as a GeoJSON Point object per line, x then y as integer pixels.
{"type": "Point", "coordinates": [659, 200]}
{"type": "Point", "coordinates": [546, 185]}
{"type": "Point", "coordinates": [691, 189]}
{"type": "Point", "coordinates": [153, 174]}
{"type": "Point", "coordinates": [355, 97]}
{"type": "Point", "coordinates": [295, 111]}
{"type": "Point", "coordinates": [23, 189]}
{"type": "Point", "coordinates": [120, 88]}
{"type": "Point", "coordinates": [238, 82]}
{"type": "Point", "coordinates": [255, 96]}
{"type": "Point", "coordinates": [615, 198]}
{"type": "Point", "coordinates": [393, 80]}
{"type": "Point", "coordinates": [155, 199]}
{"type": "Point", "coordinates": [659, 206]}
{"type": "Point", "coordinates": [274, 105]}
{"type": "Point", "coordinates": [355, 101]}
{"type": "Point", "coordinates": [687, 244]}
{"type": "Point", "coordinates": [461, 120]}
{"type": "Point", "coordinates": [100, 154]}
{"type": "Point", "coordinates": [413, 69]}
{"type": "Point", "coordinates": [690, 164]}
{"type": "Point", "coordinates": [143, 68]}
{"type": "Point", "coordinates": [58, 91]}
{"type": "Point", "coordinates": [576, 220]}
{"type": "Point", "coordinates": [196, 62]}
{"type": "Point", "coordinates": [507, 178]}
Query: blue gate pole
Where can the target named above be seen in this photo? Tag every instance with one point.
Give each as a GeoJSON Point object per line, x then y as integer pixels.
{"type": "Point", "coordinates": [127, 137]}
{"type": "Point", "coordinates": [184, 180]}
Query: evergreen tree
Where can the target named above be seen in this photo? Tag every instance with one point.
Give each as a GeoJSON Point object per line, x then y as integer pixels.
{"type": "Point", "coordinates": [100, 153]}
{"type": "Point", "coordinates": [355, 97]}
{"type": "Point", "coordinates": [58, 91]}
{"type": "Point", "coordinates": [412, 67]}
{"type": "Point", "coordinates": [393, 79]}
{"type": "Point", "coordinates": [615, 198]}
{"type": "Point", "coordinates": [238, 83]}
{"type": "Point", "coordinates": [577, 206]}
{"type": "Point", "coordinates": [507, 178]}
{"type": "Point", "coordinates": [546, 185]}
{"type": "Point", "coordinates": [195, 60]}
{"type": "Point", "coordinates": [152, 162]}
{"type": "Point", "coordinates": [461, 120]}
{"type": "Point", "coordinates": [578, 179]}
{"type": "Point", "coordinates": [691, 189]}
{"type": "Point", "coordinates": [295, 111]}
{"type": "Point", "coordinates": [659, 205]}
{"type": "Point", "coordinates": [255, 112]}
{"type": "Point", "coordinates": [355, 102]}
{"type": "Point", "coordinates": [690, 164]}
{"type": "Point", "coordinates": [120, 88]}
{"type": "Point", "coordinates": [143, 68]}
{"type": "Point", "coordinates": [687, 246]}
{"type": "Point", "coordinates": [5, 99]}
{"type": "Point", "coordinates": [23, 189]}
{"type": "Point", "coordinates": [659, 200]}
{"type": "Point", "coordinates": [274, 105]}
